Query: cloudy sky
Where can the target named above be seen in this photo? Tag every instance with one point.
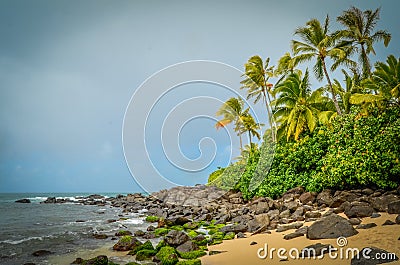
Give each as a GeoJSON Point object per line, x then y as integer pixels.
{"type": "Point", "coordinates": [68, 70]}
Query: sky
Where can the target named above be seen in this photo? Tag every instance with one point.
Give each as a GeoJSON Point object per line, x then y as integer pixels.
{"type": "Point", "coordinates": [69, 71]}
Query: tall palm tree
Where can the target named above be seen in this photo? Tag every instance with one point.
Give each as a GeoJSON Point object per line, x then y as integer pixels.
{"type": "Point", "coordinates": [296, 108]}
{"type": "Point", "coordinates": [286, 66]}
{"type": "Point", "coordinates": [359, 34]}
{"type": "Point", "coordinates": [250, 126]}
{"type": "Point", "coordinates": [256, 82]}
{"type": "Point", "coordinates": [318, 44]}
{"type": "Point", "coordinates": [352, 86]}
{"type": "Point", "coordinates": [232, 111]}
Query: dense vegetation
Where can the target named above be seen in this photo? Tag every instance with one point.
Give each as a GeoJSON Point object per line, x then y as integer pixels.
{"type": "Point", "coordinates": [342, 135]}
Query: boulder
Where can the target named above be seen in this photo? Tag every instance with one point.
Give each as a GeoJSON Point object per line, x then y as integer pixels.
{"type": "Point", "coordinates": [282, 228]}
{"type": "Point", "coordinates": [41, 253]}
{"type": "Point", "coordinates": [359, 209]}
{"type": "Point", "coordinates": [307, 197]}
{"type": "Point", "coordinates": [367, 256]}
{"type": "Point", "coordinates": [381, 203]}
{"type": "Point", "coordinates": [366, 226]}
{"type": "Point", "coordinates": [176, 238]}
{"type": "Point", "coordinates": [398, 219]}
{"type": "Point", "coordinates": [50, 200]}
{"type": "Point", "coordinates": [293, 235]}
{"type": "Point", "coordinates": [99, 260]}
{"type": "Point", "coordinates": [127, 243]}
{"type": "Point", "coordinates": [331, 226]}
{"type": "Point", "coordinates": [234, 228]}
{"type": "Point", "coordinates": [325, 197]}
{"type": "Point", "coordinates": [389, 222]}
{"type": "Point", "coordinates": [394, 207]}
{"type": "Point", "coordinates": [187, 247]}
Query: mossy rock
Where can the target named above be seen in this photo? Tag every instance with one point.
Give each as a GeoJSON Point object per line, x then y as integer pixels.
{"type": "Point", "coordinates": [160, 244]}
{"type": "Point", "coordinates": [123, 233]}
{"type": "Point", "coordinates": [161, 231]}
{"type": "Point", "coordinates": [99, 260]}
{"type": "Point", "coordinates": [229, 236]}
{"type": "Point", "coordinates": [152, 219]}
{"type": "Point", "coordinates": [219, 226]}
{"type": "Point", "coordinates": [146, 245]}
{"type": "Point", "coordinates": [145, 254]}
{"type": "Point", "coordinates": [218, 236]}
{"type": "Point", "coordinates": [192, 233]}
{"type": "Point", "coordinates": [167, 256]}
{"type": "Point", "coordinates": [189, 262]}
{"type": "Point", "coordinates": [192, 254]}
{"type": "Point", "coordinates": [127, 243]}
{"type": "Point", "coordinates": [212, 231]}
{"type": "Point", "coordinates": [191, 225]}
{"type": "Point", "coordinates": [205, 248]}
{"type": "Point", "coordinates": [216, 242]}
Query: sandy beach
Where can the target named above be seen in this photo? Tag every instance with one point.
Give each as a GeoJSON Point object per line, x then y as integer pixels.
{"type": "Point", "coordinates": [239, 251]}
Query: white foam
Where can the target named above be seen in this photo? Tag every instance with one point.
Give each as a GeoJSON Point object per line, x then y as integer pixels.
{"type": "Point", "coordinates": [16, 242]}
{"type": "Point", "coordinates": [133, 221]}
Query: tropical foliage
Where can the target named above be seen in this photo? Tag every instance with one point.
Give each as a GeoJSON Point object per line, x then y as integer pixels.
{"type": "Point", "coordinates": [348, 140]}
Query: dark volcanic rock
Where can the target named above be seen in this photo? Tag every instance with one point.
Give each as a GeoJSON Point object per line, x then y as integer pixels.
{"type": "Point", "coordinates": [40, 253]}
{"type": "Point", "coordinates": [381, 203]}
{"type": "Point", "coordinates": [100, 236]}
{"type": "Point", "coordinates": [176, 238]}
{"type": "Point", "coordinates": [23, 201]}
{"type": "Point", "coordinates": [325, 197]}
{"type": "Point", "coordinates": [282, 228]}
{"type": "Point", "coordinates": [233, 228]}
{"type": "Point", "coordinates": [394, 207]}
{"type": "Point", "coordinates": [307, 197]}
{"type": "Point", "coordinates": [187, 247]}
{"type": "Point", "coordinates": [332, 226]}
{"type": "Point", "coordinates": [359, 209]}
{"type": "Point", "coordinates": [355, 221]}
{"type": "Point", "coordinates": [293, 235]}
{"type": "Point", "coordinates": [368, 258]}
{"type": "Point", "coordinates": [389, 222]}
{"type": "Point", "coordinates": [127, 243]}
{"type": "Point", "coordinates": [50, 200]}
{"type": "Point", "coordinates": [366, 226]}
{"type": "Point", "coordinates": [99, 260]}
{"type": "Point", "coordinates": [398, 219]}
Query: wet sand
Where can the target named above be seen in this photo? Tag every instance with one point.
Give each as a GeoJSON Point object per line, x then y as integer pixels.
{"type": "Point", "coordinates": [239, 251]}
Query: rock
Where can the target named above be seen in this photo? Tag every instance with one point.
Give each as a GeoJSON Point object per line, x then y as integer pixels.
{"type": "Point", "coordinates": [316, 250]}
{"type": "Point", "coordinates": [341, 197]}
{"type": "Point", "coordinates": [297, 190]}
{"type": "Point", "coordinates": [367, 191]}
{"type": "Point", "coordinates": [355, 221]}
{"type": "Point", "coordinates": [109, 221]}
{"type": "Point", "coordinates": [306, 198]}
{"type": "Point", "coordinates": [50, 200]}
{"type": "Point", "coordinates": [359, 209]}
{"type": "Point", "coordinates": [41, 253]}
{"type": "Point", "coordinates": [176, 238]}
{"type": "Point", "coordinates": [187, 247]}
{"type": "Point", "coordinates": [150, 228]}
{"type": "Point", "coordinates": [99, 260]}
{"type": "Point", "coordinates": [273, 214]}
{"type": "Point", "coordinates": [240, 235]}
{"type": "Point", "coordinates": [332, 226]}
{"type": "Point", "coordinates": [312, 215]}
{"type": "Point", "coordinates": [127, 243]}
{"type": "Point", "coordinates": [253, 243]}
{"type": "Point", "coordinates": [302, 230]}
{"type": "Point", "coordinates": [78, 261]}
{"type": "Point", "coordinates": [23, 201]}
{"type": "Point", "coordinates": [381, 203]}
{"type": "Point", "coordinates": [394, 207]}
{"type": "Point", "coordinates": [215, 252]}
{"type": "Point", "coordinates": [298, 213]}
{"type": "Point", "coordinates": [375, 215]}
{"type": "Point", "coordinates": [293, 235]}
{"type": "Point", "coordinates": [100, 236]}
{"type": "Point", "coordinates": [398, 219]}
{"type": "Point", "coordinates": [139, 233]}
{"type": "Point", "coordinates": [262, 219]}
{"type": "Point", "coordinates": [282, 228]}
{"type": "Point", "coordinates": [123, 233]}
{"type": "Point", "coordinates": [367, 257]}
{"type": "Point", "coordinates": [285, 214]}
{"type": "Point", "coordinates": [233, 228]}
{"type": "Point", "coordinates": [389, 222]}
{"type": "Point", "coordinates": [325, 197]}
{"type": "Point", "coordinates": [179, 220]}
{"type": "Point", "coordinates": [366, 226]}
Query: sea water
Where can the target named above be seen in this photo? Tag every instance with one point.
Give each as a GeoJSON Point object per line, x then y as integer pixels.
{"type": "Point", "coordinates": [29, 227]}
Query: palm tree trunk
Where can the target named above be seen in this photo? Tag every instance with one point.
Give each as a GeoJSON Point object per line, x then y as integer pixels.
{"type": "Point", "coordinates": [335, 102]}
{"type": "Point", "coordinates": [241, 142]}
{"type": "Point", "coordinates": [249, 138]}
{"type": "Point", "coordinates": [268, 110]}
{"type": "Point", "coordinates": [366, 66]}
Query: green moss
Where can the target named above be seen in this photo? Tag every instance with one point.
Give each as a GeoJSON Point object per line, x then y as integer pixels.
{"type": "Point", "coordinates": [160, 245]}
{"type": "Point", "coordinates": [212, 231]}
{"type": "Point", "coordinates": [218, 226]}
{"type": "Point", "coordinates": [123, 233]}
{"type": "Point", "coordinates": [192, 234]}
{"type": "Point", "coordinates": [177, 228]}
{"type": "Point", "coordinates": [191, 225]}
{"type": "Point", "coordinates": [161, 231]}
{"type": "Point", "coordinates": [205, 248]}
{"type": "Point", "coordinates": [229, 236]}
{"type": "Point", "coordinates": [167, 255]}
{"type": "Point", "coordinates": [146, 245]}
{"type": "Point", "coordinates": [126, 239]}
{"type": "Point", "coordinates": [218, 236]}
{"type": "Point", "coordinates": [99, 260]}
{"type": "Point", "coordinates": [202, 242]}
{"type": "Point", "coordinates": [189, 262]}
{"type": "Point", "coordinates": [216, 242]}
{"type": "Point", "coordinates": [145, 254]}
{"type": "Point", "coordinates": [152, 219]}
{"type": "Point", "coordinates": [192, 254]}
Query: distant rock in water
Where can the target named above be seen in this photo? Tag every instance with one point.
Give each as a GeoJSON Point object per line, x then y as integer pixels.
{"type": "Point", "coordinates": [41, 253]}
{"type": "Point", "coordinates": [23, 201]}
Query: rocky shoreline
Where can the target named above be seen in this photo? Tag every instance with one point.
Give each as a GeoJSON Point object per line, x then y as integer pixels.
{"type": "Point", "coordinates": [188, 220]}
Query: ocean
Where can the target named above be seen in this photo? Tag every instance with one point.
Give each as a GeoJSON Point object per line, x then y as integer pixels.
{"type": "Point", "coordinates": [29, 227]}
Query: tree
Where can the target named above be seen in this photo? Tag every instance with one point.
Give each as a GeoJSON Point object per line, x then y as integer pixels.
{"type": "Point", "coordinates": [232, 111]}
{"type": "Point", "coordinates": [296, 108]}
{"type": "Point", "coordinates": [249, 125]}
{"type": "Point", "coordinates": [318, 44]}
{"type": "Point", "coordinates": [256, 82]}
{"type": "Point", "coordinates": [352, 86]}
{"type": "Point", "coordinates": [358, 34]}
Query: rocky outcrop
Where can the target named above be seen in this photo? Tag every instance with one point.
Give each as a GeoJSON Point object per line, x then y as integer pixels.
{"type": "Point", "coordinates": [332, 226]}
{"type": "Point", "coordinates": [23, 201]}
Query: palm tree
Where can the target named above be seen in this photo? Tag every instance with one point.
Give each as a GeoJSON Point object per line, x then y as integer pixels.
{"type": "Point", "coordinates": [352, 86]}
{"type": "Point", "coordinates": [286, 66]}
{"type": "Point", "coordinates": [256, 82]}
{"type": "Point", "coordinates": [359, 35]}
{"type": "Point", "coordinates": [247, 152]}
{"type": "Point", "coordinates": [250, 126]}
{"type": "Point", "coordinates": [296, 108]}
{"type": "Point", "coordinates": [232, 111]}
{"type": "Point", "coordinates": [318, 44]}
